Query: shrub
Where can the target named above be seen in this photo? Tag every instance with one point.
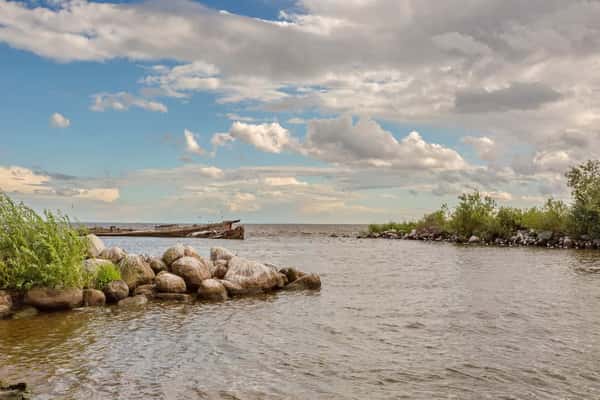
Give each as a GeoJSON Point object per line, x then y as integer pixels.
{"type": "Point", "coordinates": [36, 251]}
{"type": "Point", "coordinates": [402, 227]}
{"type": "Point", "coordinates": [434, 223]}
{"type": "Point", "coordinates": [505, 223]}
{"type": "Point", "coordinates": [472, 215]}
{"type": "Point", "coordinates": [584, 181]}
{"type": "Point", "coordinates": [553, 216]}
{"type": "Point", "coordinates": [106, 274]}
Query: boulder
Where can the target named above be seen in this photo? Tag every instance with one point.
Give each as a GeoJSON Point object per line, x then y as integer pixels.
{"type": "Point", "coordinates": [233, 289]}
{"type": "Point", "coordinates": [174, 297]}
{"type": "Point", "coordinates": [544, 236]}
{"type": "Point", "coordinates": [92, 265]}
{"type": "Point", "coordinates": [135, 271]}
{"type": "Point", "coordinates": [14, 392]}
{"type": "Point", "coordinates": [114, 254]}
{"type": "Point", "coordinates": [291, 273]}
{"type": "Point", "coordinates": [173, 253]}
{"type": "Point", "coordinates": [306, 282]}
{"type": "Point", "coordinates": [218, 269]}
{"type": "Point", "coordinates": [170, 283]}
{"type": "Point", "coordinates": [220, 253]}
{"type": "Point", "coordinates": [53, 299]}
{"type": "Point", "coordinates": [158, 265]}
{"type": "Point", "coordinates": [474, 239]}
{"type": "Point", "coordinates": [568, 243]}
{"type": "Point", "coordinates": [253, 276]}
{"type": "Point", "coordinates": [145, 290]}
{"type": "Point", "coordinates": [212, 289]}
{"type": "Point", "coordinates": [192, 270]}
{"type": "Point", "coordinates": [116, 291]}
{"type": "Point", "coordinates": [135, 301]}
{"type": "Point", "coordinates": [94, 246]}
{"type": "Point", "coordinates": [93, 298]}
{"type": "Point", "coordinates": [189, 251]}
{"type": "Point", "coordinates": [5, 304]}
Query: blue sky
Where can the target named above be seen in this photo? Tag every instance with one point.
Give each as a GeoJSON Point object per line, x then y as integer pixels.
{"type": "Point", "coordinates": [290, 111]}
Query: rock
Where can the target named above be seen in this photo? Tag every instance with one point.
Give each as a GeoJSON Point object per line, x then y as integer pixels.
{"type": "Point", "coordinates": [14, 392]}
{"type": "Point", "coordinates": [94, 246]}
{"type": "Point", "coordinates": [218, 269]}
{"type": "Point", "coordinates": [135, 301]}
{"type": "Point", "coordinates": [220, 253]}
{"type": "Point", "coordinates": [174, 297]}
{"type": "Point", "coordinates": [189, 251]}
{"type": "Point", "coordinates": [233, 289]}
{"type": "Point", "coordinates": [307, 282]}
{"type": "Point", "coordinates": [474, 239]}
{"type": "Point", "coordinates": [25, 312]}
{"type": "Point", "coordinates": [252, 276]}
{"type": "Point", "coordinates": [145, 290]}
{"type": "Point", "coordinates": [158, 265]}
{"type": "Point", "coordinates": [174, 253]}
{"type": "Point", "coordinates": [568, 242]}
{"type": "Point", "coordinates": [192, 270]}
{"type": "Point", "coordinates": [135, 271]}
{"type": "Point", "coordinates": [114, 254]}
{"type": "Point", "coordinates": [5, 304]}
{"type": "Point", "coordinates": [116, 291]}
{"type": "Point", "coordinates": [54, 299]}
{"type": "Point", "coordinates": [170, 283]}
{"type": "Point", "coordinates": [291, 273]}
{"type": "Point", "coordinates": [92, 265]}
{"type": "Point", "coordinates": [93, 298]}
{"type": "Point", "coordinates": [212, 289]}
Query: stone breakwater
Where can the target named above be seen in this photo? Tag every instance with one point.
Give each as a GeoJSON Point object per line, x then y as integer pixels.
{"type": "Point", "coordinates": [181, 274]}
{"type": "Point", "coordinates": [532, 238]}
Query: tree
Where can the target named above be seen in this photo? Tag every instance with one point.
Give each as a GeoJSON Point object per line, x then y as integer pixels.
{"type": "Point", "coordinates": [473, 214]}
{"type": "Point", "coordinates": [584, 181]}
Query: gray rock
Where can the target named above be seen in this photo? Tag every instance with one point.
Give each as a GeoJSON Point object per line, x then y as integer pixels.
{"type": "Point", "coordinates": [114, 254]}
{"type": "Point", "coordinates": [189, 251]}
{"type": "Point", "coordinates": [94, 246]}
{"type": "Point", "coordinates": [568, 242]}
{"type": "Point", "coordinates": [158, 265]}
{"type": "Point", "coordinates": [291, 273]}
{"type": "Point", "coordinates": [192, 270]}
{"type": "Point", "coordinates": [212, 289]}
{"type": "Point", "coordinates": [135, 271]}
{"type": "Point", "coordinates": [145, 290]}
{"type": "Point", "coordinates": [474, 239]}
{"type": "Point", "coordinates": [220, 253]}
{"type": "Point", "coordinates": [135, 301]}
{"type": "Point", "coordinates": [116, 291]}
{"type": "Point", "coordinates": [218, 268]}
{"type": "Point", "coordinates": [170, 283]}
{"type": "Point", "coordinates": [173, 253]}
{"type": "Point", "coordinates": [93, 298]}
{"type": "Point", "coordinates": [252, 275]}
{"type": "Point", "coordinates": [49, 299]}
{"type": "Point", "coordinates": [306, 282]}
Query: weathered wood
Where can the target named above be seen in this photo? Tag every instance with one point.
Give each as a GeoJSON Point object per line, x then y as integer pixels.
{"type": "Point", "coordinates": [220, 230]}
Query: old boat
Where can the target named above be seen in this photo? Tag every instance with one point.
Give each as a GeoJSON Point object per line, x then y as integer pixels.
{"type": "Point", "coordinates": [219, 230]}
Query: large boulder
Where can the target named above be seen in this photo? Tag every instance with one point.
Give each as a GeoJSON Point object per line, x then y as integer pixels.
{"type": "Point", "coordinates": [220, 253]}
{"type": "Point", "coordinates": [54, 299]}
{"type": "Point", "coordinates": [253, 276]}
{"type": "Point", "coordinates": [474, 239]}
{"type": "Point", "coordinates": [93, 298]}
{"type": "Point", "coordinates": [5, 304]}
{"type": "Point", "coordinates": [218, 269]}
{"type": "Point", "coordinates": [94, 246]}
{"type": "Point", "coordinates": [92, 265]}
{"type": "Point", "coordinates": [189, 251]}
{"type": "Point", "coordinates": [158, 265]}
{"type": "Point", "coordinates": [306, 282]}
{"type": "Point", "coordinates": [145, 290]}
{"type": "Point", "coordinates": [170, 283]}
{"type": "Point", "coordinates": [114, 254]}
{"type": "Point", "coordinates": [212, 289]}
{"type": "Point", "coordinates": [116, 291]}
{"type": "Point", "coordinates": [192, 270]}
{"type": "Point", "coordinates": [135, 301]}
{"type": "Point", "coordinates": [173, 253]}
{"type": "Point", "coordinates": [291, 273]}
{"type": "Point", "coordinates": [135, 271]}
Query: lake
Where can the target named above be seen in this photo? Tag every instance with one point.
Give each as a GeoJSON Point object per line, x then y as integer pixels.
{"type": "Point", "coordinates": [394, 319]}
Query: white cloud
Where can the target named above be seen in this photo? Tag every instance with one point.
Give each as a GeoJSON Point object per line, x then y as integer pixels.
{"type": "Point", "coordinates": [282, 181]}
{"type": "Point", "coordinates": [270, 138]}
{"type": "Point", "coordinates": [191, 145]}
{"type": "Point", "coordinates": [122, 101]}
{"type": "Point", "coordinates": [58, 120]}
{"type": "Point", "coordinates": [483, 145]}
{"type": "Point", "coordinates": [212, 172]}
{"type": "Point", "coordinates": [107, 195]}
{"type": "Point", "coordinates": [22, 180]}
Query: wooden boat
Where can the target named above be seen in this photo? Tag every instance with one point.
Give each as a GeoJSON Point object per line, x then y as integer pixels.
{"type": "Point", "coordinates": [220, 230]}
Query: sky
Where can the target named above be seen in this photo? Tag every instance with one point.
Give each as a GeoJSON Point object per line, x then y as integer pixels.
{"type": "Point", "coordinates": [313, 111]}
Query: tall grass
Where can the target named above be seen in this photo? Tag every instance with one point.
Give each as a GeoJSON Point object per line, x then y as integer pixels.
{"type": "Point", "coordinates": [38, 251]}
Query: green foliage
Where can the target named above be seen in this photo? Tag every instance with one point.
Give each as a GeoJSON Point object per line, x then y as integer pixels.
{"type": "Point", "coordinates": [105, 275]}
{"type": "Point", "coordinates": [584, 181]}
{"type": "Point", "coordinates": [36, 250]}
{"type": "Point", "coordinates": [505, 223]}
{"type": "Point", "coordinates": [553, 216]}
{"type": "Point", "coordinates": [434, 223]}
{"type": "Point", "coordinates": [473, 214]}
{"type": "Point", "coordinates": [403, 227]}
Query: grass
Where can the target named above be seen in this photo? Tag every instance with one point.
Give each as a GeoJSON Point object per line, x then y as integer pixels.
{"type": "Point", "coordinates": [106, 274]}
{"type": "Point", "coordinates": [36, 250]}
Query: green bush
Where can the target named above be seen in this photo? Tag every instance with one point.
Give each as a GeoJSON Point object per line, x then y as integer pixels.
{"type": "Point", "coordinates": [584, 181]}
{"type": "Point", "coordinates": [402, 227]}
{"type": "Point", "coordinates": [106, 274]}
{"type": "Point", "coordinates": [36, 251]}
{"type": "Point", "coordinates": [553, 216]}
{"type": "Point", "coordinates": [473, 214]}
{"type": "Point", "coordinates": [435, 222]}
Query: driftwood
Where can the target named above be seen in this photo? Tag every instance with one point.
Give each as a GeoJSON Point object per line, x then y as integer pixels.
{"type": "Point", "coordinates": [220, 230]}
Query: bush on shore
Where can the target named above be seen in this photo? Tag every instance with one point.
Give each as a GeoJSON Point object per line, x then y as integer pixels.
{"type": "Point", "coordinates": [105, 275]}
{"type": "Point", "coordinates": [38, 251]}
{"type": "Point", "coordinates": [479, 215]}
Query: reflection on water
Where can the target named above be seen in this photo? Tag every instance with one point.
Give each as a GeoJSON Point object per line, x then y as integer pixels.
{"type": "Point", "coordinates": [394, 319]}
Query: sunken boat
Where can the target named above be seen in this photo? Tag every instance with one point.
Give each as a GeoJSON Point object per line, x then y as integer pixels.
{"type": "Point", "coordinates": [219, 230]}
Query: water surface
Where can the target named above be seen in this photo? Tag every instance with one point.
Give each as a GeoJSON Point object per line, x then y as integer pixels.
{"type": "Point", "coordinates": [394, 319]}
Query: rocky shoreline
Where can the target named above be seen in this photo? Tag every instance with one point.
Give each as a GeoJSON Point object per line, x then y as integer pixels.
{"type": "Point", "coordinates": [181, 274]}
{"type": "Point", "coordinates": [523, 238]}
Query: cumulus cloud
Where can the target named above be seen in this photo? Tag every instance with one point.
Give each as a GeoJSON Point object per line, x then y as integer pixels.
{"type": "Point", "coordinates": [22, 180]}
{"type": "Point", "coordinates": [191, 144]}
{"type": "Point", "coordinates": [107, 195]}
{"type": "Point", "coordinates": [483, 145]}
{"type": "Point", "coordinates": [58, 120]}
{"type": "Point", "coordinates": [123, 101]}
{"type": "Point", "coordinates": [270, 138]}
